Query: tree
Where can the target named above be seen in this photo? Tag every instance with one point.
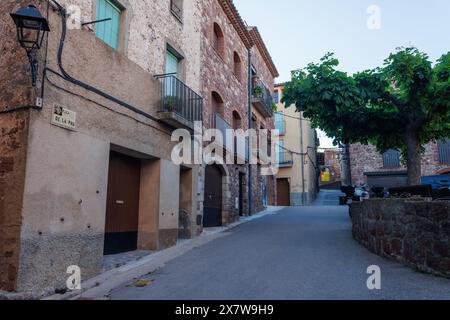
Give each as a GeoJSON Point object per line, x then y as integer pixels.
{"type": "Point", "coordinates": [402, 105]}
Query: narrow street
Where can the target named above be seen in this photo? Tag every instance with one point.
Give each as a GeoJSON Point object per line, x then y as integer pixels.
{"type": "Point", "coordinates": [299, 253]}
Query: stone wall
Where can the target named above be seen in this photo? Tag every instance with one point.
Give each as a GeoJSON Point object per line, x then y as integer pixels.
{"type": "Point", "coordinates": [15, 93]}
{"type": "Point", "coordinates": [54, 181]}
{"type": "Point", "coordinates": [365, 158]}
{"type": "Point", "coordinates": [332, 160]}
{"type": "Point", "coordinates": [218, 75]}
{"type": "Point", "coordinates": [414, 232]}
{"type": "Point", "coordinates": [148, 28]}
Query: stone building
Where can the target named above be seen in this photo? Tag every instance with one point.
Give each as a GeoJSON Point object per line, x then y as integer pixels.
{"type": "Point", "coordinates": [297, 179]}
{"type": "Point", "coordinates": [85, 154]}
{"type": "Point", "coordinates": [330, 166]}
{"type": "Point", "coordinates": [366, 161]}
{"type": "Point", "coordinates": [232, 55]}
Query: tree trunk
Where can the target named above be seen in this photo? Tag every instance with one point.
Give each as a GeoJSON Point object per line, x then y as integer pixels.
{"type": "Point", "coordinates": [346, 167]}
{"type": "Point", "coordinates": [414, 160]}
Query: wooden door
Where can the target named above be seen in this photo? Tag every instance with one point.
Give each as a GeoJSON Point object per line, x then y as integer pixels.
{"type": "Point", "coordinates": [283, 193]}
{"type": "Point", "coordinates": [122, 207]}
{"type": "Point", "coordinates": [212, 212]}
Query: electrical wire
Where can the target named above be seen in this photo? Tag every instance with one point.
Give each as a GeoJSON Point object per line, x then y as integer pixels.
{"type": "Point", "coordinates": [66, 76]}
{"type": "Point", "coordinates": [301, 154]}
{"type": "Point", "coordinates": [292, 117]}
{"type": "Point", "coordinates": [98, 103]}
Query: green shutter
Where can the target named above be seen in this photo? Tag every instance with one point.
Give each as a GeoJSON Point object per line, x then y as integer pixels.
{"type": "Point", "coordinates": [279, 122]}
{"type": "Point", "coordinates": [171, 63]}
{"type": "Point", "coordinates": [108, 31]}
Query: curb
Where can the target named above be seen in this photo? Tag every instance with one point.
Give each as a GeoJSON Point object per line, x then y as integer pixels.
{"type": "Point", "coordinates": [99, 286]}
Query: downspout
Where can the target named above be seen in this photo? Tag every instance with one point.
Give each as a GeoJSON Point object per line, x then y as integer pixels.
{"type": "Point", "coordinates": [250, 91]}
{"type": "Point", "coordinates": [302, 159]}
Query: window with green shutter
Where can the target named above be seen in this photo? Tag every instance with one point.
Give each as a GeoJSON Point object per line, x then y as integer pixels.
{"type": "Point", "coordinates": [172, 63]}
{"type": "Point", "coordinates": [108, 31]}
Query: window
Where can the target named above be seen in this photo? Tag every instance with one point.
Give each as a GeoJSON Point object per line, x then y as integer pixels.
{"type": "Point", "coordinates": [108, 31]}
{"type": "Point", "coordinates": [173, 61]}
{"type": "Point", "coordinates": [237, 121]}
{"type": "Point", "coordinates": [444, 151]}
{"type": "Point", "coordinates": [217, 104]}
{"type": "Point", "coordinates": [176, 7]}
{"type": "Point", "coordinates": [276, 96]}
{"type": "Point", "coordinates": [391, 159]}
{"type": "Point", "coordinates": [218, 40]}
{"type": "Point", "coordinates": [237, 66]}
{"type": "Point", "coordinates": [280, 151]}
{"type": "Point", "coordinates": [279, 122]}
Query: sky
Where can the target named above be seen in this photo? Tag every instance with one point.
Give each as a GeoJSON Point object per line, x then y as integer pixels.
{"type": "Point", "coordinates": [361, 33]}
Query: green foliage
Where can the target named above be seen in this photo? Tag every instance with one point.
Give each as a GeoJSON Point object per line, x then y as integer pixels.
{"type": "Point", "coordinates": [258, 91]}
{"type": "Point", "coordinates": [407, 96]}
{"type": "Point", "coordinates": [170, 102]}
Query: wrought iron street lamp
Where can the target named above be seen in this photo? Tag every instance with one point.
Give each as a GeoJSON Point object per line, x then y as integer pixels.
{"type": "Point", "coordinates": [31, 28]}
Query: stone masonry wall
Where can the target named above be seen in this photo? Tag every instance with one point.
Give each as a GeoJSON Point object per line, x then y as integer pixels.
{"type": "Point", "coordinates": [57, 218]}
{"type": "Point", "coordinates": [414, 232]}
{"type": "Point", "coordinates": [217, 75]}
{"type": "Point", "coordinates": [148, 27]}
{"type": "Point", "coordinates": [366, 159]}
{"type": "Point", "coordinates": [15, 92]}
{"type": "Point", "coordinates": [265, 75]}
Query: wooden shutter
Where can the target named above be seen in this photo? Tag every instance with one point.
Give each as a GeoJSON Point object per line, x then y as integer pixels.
{"type": "Point", "coordinates": [171, 63]}
{"type": "Point", "coordinates": [444, 151]}
{"type": "Point", "coordinates": [391, 159]}
{"type": "Point", "coordinates": [108, 31]}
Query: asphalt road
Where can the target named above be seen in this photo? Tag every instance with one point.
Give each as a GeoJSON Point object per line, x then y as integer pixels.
{"type": "Point", "coordinates": [300, 253]}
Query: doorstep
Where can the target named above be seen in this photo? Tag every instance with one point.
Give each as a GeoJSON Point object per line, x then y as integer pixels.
{"type": "Point", "coordinates": [99, 286]}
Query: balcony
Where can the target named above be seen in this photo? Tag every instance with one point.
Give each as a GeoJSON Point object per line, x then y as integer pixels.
{"type": "Point", "coordinates": [262, 100]}
{"type": "Point", "coordinates": [219, 123]}
{"type": "Point", "coordinates": [284, 159]}
{"type": "Point", "coordinates": [238, 147]}
{"type": "Point", "coordinates": [179, 105]}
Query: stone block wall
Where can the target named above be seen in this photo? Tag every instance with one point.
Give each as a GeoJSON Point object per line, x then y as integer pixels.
{"type": "Point", "coordinates": [415, 232]}
{"type": "Point", "coordinates": [365, 158]}
{"type": "Point", "coordinates": [15, 94]}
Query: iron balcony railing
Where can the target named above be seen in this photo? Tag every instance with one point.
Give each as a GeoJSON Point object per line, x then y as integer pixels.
{"type": "Point", "coordinates": [261, 93]}
{"type": "Point", "coordinates": [177, 97]}
{"type": "Point", "coordinates": [219, 123]}
{"type": "Point", "coordinates": [284, 159]}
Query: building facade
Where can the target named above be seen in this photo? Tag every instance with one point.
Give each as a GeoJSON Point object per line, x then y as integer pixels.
{"type": "Point", "coordinates": [297, 179]}
{"type": "Point", "coordinates": [330, 167]}
{"type": "Point", "coordinates": [366, 161]}
{"type": "Point", "coordinates": [86, 164]}
{"type": "Point", "coordinates": [230, 51]}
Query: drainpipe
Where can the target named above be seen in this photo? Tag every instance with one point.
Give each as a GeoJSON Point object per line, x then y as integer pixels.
{"type": "Point", "coordinates": [302, 159]}
{"type": "Point", "coordinates": [250, 91]}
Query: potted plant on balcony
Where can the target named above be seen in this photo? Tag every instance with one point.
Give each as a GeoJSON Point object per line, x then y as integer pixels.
{"type": "Point", "coordinates": [170, 103]}
{"type": "Point", "coordinates": [258, 92]}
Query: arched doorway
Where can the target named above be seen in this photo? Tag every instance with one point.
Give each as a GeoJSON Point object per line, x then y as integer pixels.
{"type": "Point", "coordinates": [212, 207]}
